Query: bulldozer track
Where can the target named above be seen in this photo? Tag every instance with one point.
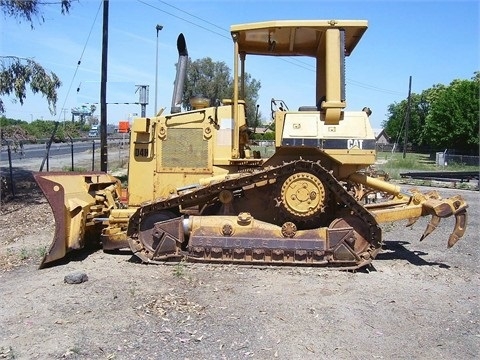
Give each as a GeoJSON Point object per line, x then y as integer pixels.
{"type": "Point", "coordinates": [258, 178]}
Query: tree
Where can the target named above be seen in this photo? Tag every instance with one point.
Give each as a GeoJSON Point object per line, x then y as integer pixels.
{"type": "Point", "coordinates": [395, 126]}
{"type": "Point", "coordinates": [17, 73]}
{"type": "Point", "coordinates": [28, 9]}
{"type": "Point", "coordinates": [453, 118]}
{"type": "Point", "coordinates": [441, 117]}
{"type": "Point", "coordinates": [19, 131]}
{"type": "Point", "coordinates": [207, 79]}
{"type": "Point", "coordinates": [213, 81]}
{"type": "Point", "coordinates": [252, 87]}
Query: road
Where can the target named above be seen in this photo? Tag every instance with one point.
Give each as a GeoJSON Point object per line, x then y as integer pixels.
{"type": "Point", "coordinates": [31, 151]}
{"type": "Point", "coordinates": [60, 155]}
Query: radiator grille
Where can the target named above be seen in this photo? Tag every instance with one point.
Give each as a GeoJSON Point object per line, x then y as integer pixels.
{"type": "Point", "coordinates": [185, 148]}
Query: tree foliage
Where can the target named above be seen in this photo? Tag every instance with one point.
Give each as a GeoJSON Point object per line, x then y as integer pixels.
{"type": "Point", "coordinates": [207, 79]}
{"type": "Point", "coordinates": [213, 80]}
{"type": "Point", "coordinates": [395, 127]}
{"type": "Point", "coordinates": [18, 131]}
{"type": "Point", "coordinates": [441, 117]}
{"type": "Point", "coordinates": [29, 9]}
{"type": "Point", "coordinates": [18, 73]}
{"type": "Point", "coordinates": [453, 118]}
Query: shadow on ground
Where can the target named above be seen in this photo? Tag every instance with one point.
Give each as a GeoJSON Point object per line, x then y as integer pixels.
{"type": "Point", "coordinates": [82, 254]}
{"type": "Point", "coordinates": [394, 250]}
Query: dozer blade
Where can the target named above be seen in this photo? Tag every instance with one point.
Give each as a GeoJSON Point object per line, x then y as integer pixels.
{"type": "Point", "coordinates": [76, 200]}
{"type": "Point", "coordinates": [443, 208]}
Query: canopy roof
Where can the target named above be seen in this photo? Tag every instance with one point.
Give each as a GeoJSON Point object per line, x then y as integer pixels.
{"type": "Point", "coordinates": [293, 37]}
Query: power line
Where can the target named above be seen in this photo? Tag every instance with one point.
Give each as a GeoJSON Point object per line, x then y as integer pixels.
{"type": "Point", "coordinates": [291, 60]}
{"type": "Point", "coordinates": [81, 57]}
{"type": "Point", "coordinates": [310, 67]}
{"type": "Point", "coordinates": [183, 19]}
{"type": "Point", "coordinates": [371, 87]}
{"type": "Point", "coordinates": [196, 17]}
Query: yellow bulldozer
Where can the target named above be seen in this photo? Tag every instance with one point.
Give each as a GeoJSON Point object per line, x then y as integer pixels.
{"type": "Point", "coordinates": [197, 191]}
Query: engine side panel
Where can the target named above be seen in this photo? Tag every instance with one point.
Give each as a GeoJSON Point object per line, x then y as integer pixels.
{"type": "Point", "coordinates": [351, 141]}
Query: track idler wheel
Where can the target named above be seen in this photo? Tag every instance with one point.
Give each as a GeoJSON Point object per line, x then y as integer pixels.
{"type": "Point", "coordinates": [359, 242]}
{"type": "Point", "coordinates": [160, 237]}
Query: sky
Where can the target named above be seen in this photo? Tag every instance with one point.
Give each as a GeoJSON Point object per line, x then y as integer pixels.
{"type": "Point", "coordinates": [434, 42]}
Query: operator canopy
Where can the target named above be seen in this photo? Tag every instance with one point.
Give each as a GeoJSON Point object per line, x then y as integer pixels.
{"type": "Point", "coordinates": [328, 41]}
{"type": "Point", "coordinates": [293, 38]}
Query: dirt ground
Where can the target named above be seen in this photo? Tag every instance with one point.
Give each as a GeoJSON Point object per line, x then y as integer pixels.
{"type": "Point", "coordinates": [420, 300]}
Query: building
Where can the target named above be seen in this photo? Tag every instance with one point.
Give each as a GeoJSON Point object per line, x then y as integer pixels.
{"type": "Point", "coordinates": [382, 138]}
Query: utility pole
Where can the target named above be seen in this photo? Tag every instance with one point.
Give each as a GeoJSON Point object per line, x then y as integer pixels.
{"type": "Point", "coordinates": [64, 110]}
{"type": "Point", "coordinates": [103, 92]}
{"type": "Point", "coordinates": [142, 98]}
{"type": "Point", "coordinates": [407, 118]}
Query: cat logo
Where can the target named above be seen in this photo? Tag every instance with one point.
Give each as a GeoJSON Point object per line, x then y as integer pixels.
{"type": "Point", "coordinates": [351, 143]}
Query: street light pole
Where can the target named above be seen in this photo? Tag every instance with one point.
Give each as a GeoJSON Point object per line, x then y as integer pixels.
{"type": "Point", "coordinates": [158, 27]}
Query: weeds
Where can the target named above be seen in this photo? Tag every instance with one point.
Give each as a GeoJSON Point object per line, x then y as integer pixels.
{"type": "Point", "coordinates": [16, 257]}
{"type": "Point", "coordinates": [24, 254]}
{"type": "Point", "coordinates": [76, 350]}
{"type": "Point", "coordinates": [395, 164]}
{"type": "Point", "coordinates": [387, 227]}
{"type": "Point", "coordinates": [463, 186]}
{"type": "Point", "coordinates": [75, 168]}
{"type": "Point", "coordinates": [42, 251]}
{"type": "Point", "coordinates": [73, 351]}
{"type": "Point", "coordinates": [179, 269]}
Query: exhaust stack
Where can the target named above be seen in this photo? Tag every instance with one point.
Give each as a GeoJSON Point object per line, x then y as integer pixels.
{"type": "Point", "coordinates": [181, 73]}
